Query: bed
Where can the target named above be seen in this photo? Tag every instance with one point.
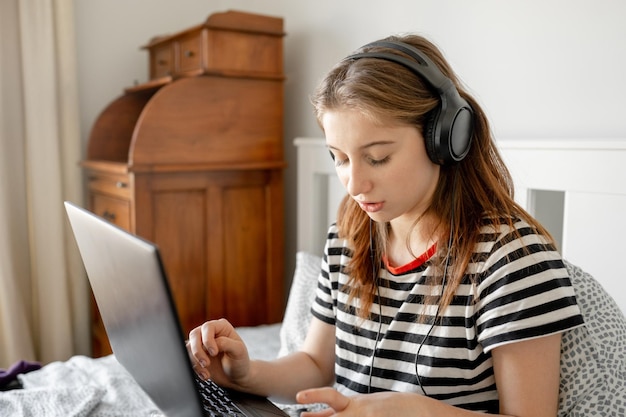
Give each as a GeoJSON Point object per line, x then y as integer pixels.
{"type": "Point", "coordinates": [575, 187]}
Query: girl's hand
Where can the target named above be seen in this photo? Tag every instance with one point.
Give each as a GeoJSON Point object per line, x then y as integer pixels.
{"type": "Point", "coordinates": [217, 352]}
{"type": "Point", "coordinates": [381, 404]}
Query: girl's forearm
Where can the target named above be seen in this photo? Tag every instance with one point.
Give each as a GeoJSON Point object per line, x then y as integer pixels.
{"type": "Point", "coordinates": [282, 378]}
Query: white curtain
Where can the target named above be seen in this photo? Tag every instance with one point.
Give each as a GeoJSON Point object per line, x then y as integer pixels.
{"type": "Point", "coordinates": [43, 291]}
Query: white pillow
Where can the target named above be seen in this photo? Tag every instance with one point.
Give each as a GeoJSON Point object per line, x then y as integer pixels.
{"type": "Point", "coordinates": [301, 295]}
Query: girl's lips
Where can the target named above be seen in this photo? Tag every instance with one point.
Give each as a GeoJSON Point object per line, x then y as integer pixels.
{"type": "Point", "coordinates": [371, 207]}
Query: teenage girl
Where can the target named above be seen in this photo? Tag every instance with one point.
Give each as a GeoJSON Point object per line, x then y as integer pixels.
{"type": "Point", "coordinates": [438, 294]}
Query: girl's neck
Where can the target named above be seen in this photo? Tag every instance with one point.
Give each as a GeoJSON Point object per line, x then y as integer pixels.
{"type": "Point", "coordinates": [407, 241]}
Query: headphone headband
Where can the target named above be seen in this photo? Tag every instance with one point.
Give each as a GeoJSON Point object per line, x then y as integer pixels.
{"type": "Point", "coordinates": [448, 131]}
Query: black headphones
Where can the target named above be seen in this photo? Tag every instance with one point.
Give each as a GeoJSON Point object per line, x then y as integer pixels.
{"type": "Point", "coordinates": [448, 130]}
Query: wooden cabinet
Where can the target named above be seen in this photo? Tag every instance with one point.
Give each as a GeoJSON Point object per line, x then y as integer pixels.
{"type": "Point", "coordinates": [193, 161]}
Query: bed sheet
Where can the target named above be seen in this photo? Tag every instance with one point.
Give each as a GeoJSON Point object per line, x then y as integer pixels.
{"type": "Point", "coordinates": [263, 342]}
{"type": "Point", "coordinates": [80, 386]}
{"type": "Point", "coordinates": [101, 387]}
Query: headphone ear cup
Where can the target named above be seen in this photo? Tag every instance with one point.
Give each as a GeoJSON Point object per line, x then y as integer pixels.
{"type": "Point", "coordinates": [429, 136]}
{"type": "Point", "coordinates": [448, 143]}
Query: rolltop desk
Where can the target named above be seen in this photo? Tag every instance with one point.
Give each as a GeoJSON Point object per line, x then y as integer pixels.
{"type": "Point", "coordinates": [193, 161]}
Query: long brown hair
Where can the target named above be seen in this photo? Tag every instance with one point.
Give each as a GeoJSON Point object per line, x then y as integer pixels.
{"type": "Point", "coordinates": [478, 186]}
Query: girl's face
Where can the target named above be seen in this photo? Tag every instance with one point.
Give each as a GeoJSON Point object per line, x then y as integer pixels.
{"type": "Point", "coordinates": [383, 166]}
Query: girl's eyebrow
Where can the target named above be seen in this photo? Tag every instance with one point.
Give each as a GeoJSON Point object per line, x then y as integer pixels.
{"type": "Point", "coordinates": [367, 145]}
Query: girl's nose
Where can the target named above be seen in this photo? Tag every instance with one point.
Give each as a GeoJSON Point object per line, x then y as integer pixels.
{"type": "Point", "coordinates": [357, 180]}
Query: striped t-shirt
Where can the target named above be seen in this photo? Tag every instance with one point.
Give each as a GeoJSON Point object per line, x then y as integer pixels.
{"type": "Point", "coordinates": [514, 289]}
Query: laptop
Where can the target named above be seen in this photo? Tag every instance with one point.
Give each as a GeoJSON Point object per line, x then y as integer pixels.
{"type": "Point", "coordinates": [132, 293]}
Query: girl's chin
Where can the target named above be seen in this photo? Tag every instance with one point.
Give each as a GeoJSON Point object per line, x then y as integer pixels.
{"type": "Point", "coordinates": [378, 217]}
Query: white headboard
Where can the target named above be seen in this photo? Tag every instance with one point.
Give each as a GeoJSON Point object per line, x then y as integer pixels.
{"type": "Point", "coordinates": [576, 188]}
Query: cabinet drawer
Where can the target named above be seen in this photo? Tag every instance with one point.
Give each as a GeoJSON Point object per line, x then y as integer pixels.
{"type": "Point", "coordinates": [115, 210]}
{"type": "Point", "coordinates": [161, 61]}
{"type": "Point", "coordinates": [189, 52]}
{"type": "Point", "coordinates": [114, 185]}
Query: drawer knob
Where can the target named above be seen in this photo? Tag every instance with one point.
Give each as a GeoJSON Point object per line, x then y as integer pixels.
{"type": "Point", "coordinates": [189, 53]}
{"type": "Point", "coordinates": [121, 184]}
{"type": "Point", "coordinates": [108, 215]}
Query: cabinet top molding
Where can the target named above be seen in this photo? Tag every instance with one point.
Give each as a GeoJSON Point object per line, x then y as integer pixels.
{"type": "Point", "coordinates": [229, 20]}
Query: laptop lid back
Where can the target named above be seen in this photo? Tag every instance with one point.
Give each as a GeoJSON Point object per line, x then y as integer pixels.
{"type": "Point", "coordinates": [130, 287]}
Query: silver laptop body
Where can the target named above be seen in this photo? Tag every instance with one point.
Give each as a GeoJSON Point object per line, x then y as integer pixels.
{"type": "Point", "coordinates": [131, 290]}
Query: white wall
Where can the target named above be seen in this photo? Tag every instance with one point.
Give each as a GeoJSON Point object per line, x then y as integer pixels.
{"type": "Point", "coordinates": [540, 68]}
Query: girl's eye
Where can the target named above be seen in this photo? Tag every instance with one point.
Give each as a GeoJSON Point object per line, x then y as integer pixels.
{"type": "Point", "coordinates": [338, 161]}
{"type": "Point", "coordinates": [375, 162]}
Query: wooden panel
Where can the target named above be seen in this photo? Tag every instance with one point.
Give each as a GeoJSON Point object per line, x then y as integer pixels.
{"type": "Point", "coordinates": [247, 52]}
{"type": "Point", "coordinates": [204, 120]}
{"type": "Point", "coordinates": [246, 254]}
{"type": "Point", "coordinates": [275, 260]}
{"type": "Point", "coordinates": [112, 132]}
{"type": "Point", "coordinates": [215, 298]}
{"type": "Point", "coordinates": [179, 230]}
{"type": "Point", "coordinates": [221, 239]}
{"type": "Point", "coordinates": [234, 20]}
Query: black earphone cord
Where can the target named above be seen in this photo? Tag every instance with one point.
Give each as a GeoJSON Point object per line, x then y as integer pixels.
{"type": "Point", "coordinates": [432, 326]}
{"type": "Point", "coordinates": [434, 322]}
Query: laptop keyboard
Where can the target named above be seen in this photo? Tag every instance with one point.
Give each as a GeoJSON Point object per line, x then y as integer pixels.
{"type": "Point", "coordinates": [215, 400]}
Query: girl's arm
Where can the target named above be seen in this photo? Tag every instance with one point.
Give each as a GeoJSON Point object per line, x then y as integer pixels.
{"type": "Point", "coordinates": [527, 378]}
{"type": "Point", "coordinates": [218, 352]}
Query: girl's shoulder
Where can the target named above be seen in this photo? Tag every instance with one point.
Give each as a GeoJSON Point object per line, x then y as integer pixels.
{"type": "Point", "coordinates": [513, 241]}
{"type": "Point", "coordinates": [500, 231]}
